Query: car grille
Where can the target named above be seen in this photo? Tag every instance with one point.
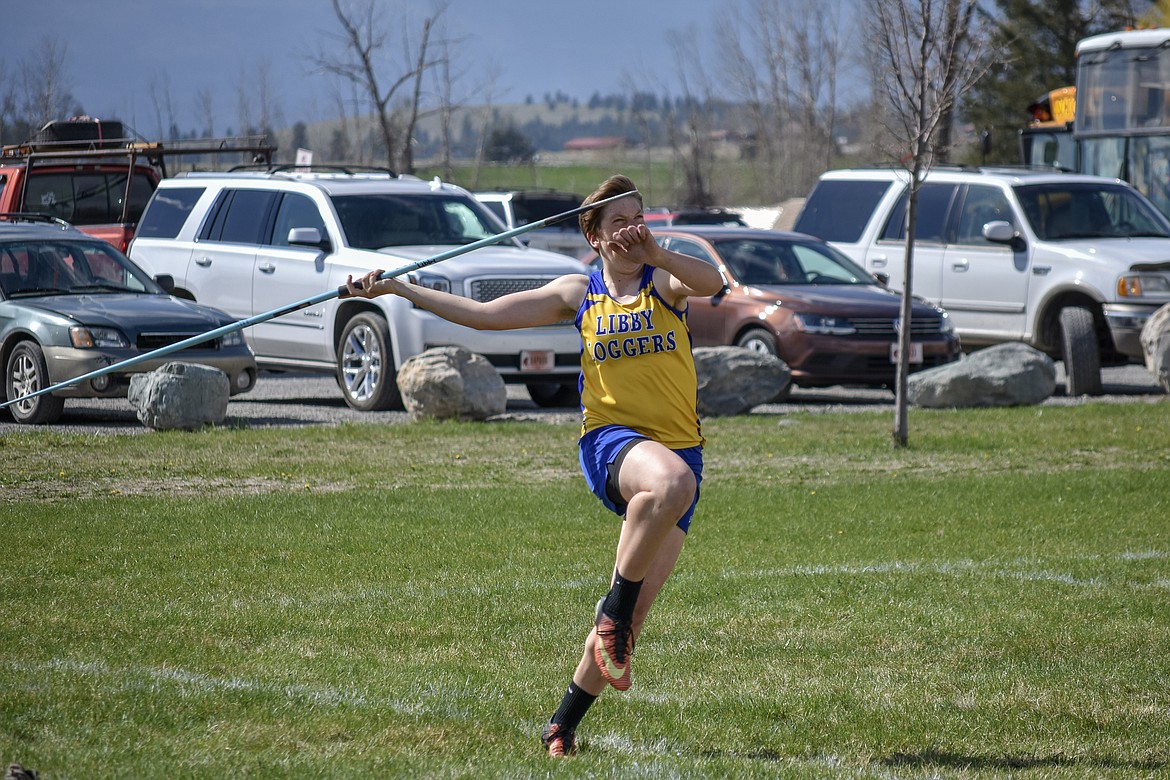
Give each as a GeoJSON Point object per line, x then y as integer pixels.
{"type": "Point", "coordinates": [152, 341]}
{"type": "Point", "coordinates": [884, 326]}
{"type": "Point", "coordinates": [484, 290]}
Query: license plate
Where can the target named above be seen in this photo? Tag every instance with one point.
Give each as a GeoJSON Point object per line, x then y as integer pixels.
{"type": "Point", "coordinates": [915, 352]}
{"type": "Point", "coordinates": [537, 360]}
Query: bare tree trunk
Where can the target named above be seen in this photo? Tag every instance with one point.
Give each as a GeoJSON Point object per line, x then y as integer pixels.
{"type": "Point", "coordinates": [363, 39]}
{"type": "Point", "coordinates": [45, 97]}
{"type": "Point", "coordinates": [413, 108]}
{"type": "Point", "coordinates": [205, 112]}
{"type": "Point", "coordinates": [924, 59]}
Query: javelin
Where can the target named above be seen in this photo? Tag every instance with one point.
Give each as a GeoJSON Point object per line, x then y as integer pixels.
{"type": "Point", "coordinates": [319, 298]}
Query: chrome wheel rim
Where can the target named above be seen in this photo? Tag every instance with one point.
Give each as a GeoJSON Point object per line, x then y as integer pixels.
{"type": "Point", "coordinates": [361, 363]}
{"type": "Point", "coordinates": [758, 346]}
{"type": "Point", "coordinates": [25, 379]}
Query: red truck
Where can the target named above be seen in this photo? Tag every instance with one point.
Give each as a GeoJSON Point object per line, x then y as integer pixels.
{"type": "Point", "coordinates": [88, 172]}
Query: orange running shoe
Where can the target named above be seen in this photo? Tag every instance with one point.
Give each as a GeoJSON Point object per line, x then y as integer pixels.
{"type": "Point", "coordinates": [611, 651]}
{"type": "Point", "coordinates": [560, 742]}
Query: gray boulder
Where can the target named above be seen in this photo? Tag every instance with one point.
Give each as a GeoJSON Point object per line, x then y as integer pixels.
{"type": "Point", "coordinates": [180, 395]}
{"type": "Point", "coordinates": [1012, 374]}
{"type": "Point", "coordinates": [451, 382]}
{"type": "Point", "coordinates": [732, 380]}
{"type": "Point", "coordinates": [1156, 346]}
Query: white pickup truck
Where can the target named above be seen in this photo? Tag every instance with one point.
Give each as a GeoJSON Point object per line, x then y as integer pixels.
{"type": "Point", "coordinates": [1072, 265]}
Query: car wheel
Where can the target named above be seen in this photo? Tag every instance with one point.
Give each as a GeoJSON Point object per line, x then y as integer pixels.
{"type": "Point", "coordinates": [365, 365]}
{"type": "Point", "coordinates": [761, 342]}
{"type": "Point", "coordinates": [1079, 350]}
{"type": "Point", "coordinates": [758, 340]}
{"type": "Point", "coordinates": [552, 394]}
{"type": "Point", "coordinates": [27, 372]}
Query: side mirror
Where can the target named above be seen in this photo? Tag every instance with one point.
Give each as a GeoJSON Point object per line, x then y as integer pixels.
{"type": "Point", "coordinates": [308, 237]}
{"type": "Point", "coordinates": [165, 281]}
{"type": "Point", "coordinates": [882, 278]}
{"type": "Point", "coordinates": [1001, 232]}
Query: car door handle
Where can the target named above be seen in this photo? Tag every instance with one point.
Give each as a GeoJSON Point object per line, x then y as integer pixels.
{"type": "Point", "coordinates": [203, 262]}
{"type": "Point", "coordinates": [960, 266]}
{"type": "Point", "coordinates": [878, 261]}
{"type": "Point", "coordinates": [266, 268]}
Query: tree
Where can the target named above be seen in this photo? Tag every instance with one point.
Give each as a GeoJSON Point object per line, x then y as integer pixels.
{"type": "Point", "coordinates": [690, 127]}
{"type": "Point", "coordinates": [1035, 41]}
{"type": "Point", "coordinates": [508, 145]}
{"type": "Point", "coordinates": [44, 95]}
{"type": "Point", "coordinates": [926, 54]}
{"type": "Point", "coordinates": [781, 62]}
{"type": "Point", "coordinates": [395, 100]}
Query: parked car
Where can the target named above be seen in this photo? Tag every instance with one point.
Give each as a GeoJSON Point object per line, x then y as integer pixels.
{"type": "Point", "coordinates": [521, 207]}
{"type": "Point", "coordinates": [87, 172]}
{"type": "Point", "coordinates": [1072, 265]}
{"type": "Point", "coordinates": [71, 304]}
{"type": "Point", "coordinates": [798, 298]}
{"type": "Point", "coordinates": [251, 242]}
{"type": "Point", "coordinates": [661, 217]}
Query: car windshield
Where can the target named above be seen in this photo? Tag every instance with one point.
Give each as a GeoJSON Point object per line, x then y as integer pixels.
{"type": "Point", "coordinates": [759, 261]}
{"type": "Point", "coordinates": [378, 220]}
{"type": "Point", "coordinates": [533, 208]}
{"type": "Point", "coordinates": [67, 267]}
{"type": "Point", "coordinates": [1064, 211]}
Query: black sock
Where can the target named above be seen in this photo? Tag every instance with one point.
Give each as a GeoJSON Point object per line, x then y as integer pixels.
{"type": "Point", "coordinates": [574, 705]}
{"type": "Point", "coordinates": [619, 603]}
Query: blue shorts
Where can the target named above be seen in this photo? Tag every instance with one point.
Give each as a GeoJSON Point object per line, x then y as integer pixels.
{"type": "Point", "coordinates": [601, 451]}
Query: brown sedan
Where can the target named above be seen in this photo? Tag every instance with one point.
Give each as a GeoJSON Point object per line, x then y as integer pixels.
{"type": "Point", "coordinates": [798, 298]}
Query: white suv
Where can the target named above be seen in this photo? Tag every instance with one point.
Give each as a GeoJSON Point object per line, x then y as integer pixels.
{"type": "Point", "coordinates": [250, 243]}
{"type": "Point", "coordinates": [1072, 265]}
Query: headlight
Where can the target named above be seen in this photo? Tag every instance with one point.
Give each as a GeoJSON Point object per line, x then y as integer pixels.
{"type": "Point", "coordinates": [824, 325]}
{"type": "Point", "coordinates": [233, 339]}
{"type": "Point", "coordinates": [433, 281]}
{"type": "Point", "coordinates": [96, 338]}
{"type": "Point", "coordinates": [945, 323]}
{"type": "Point", "coordinates": [1140, 285]}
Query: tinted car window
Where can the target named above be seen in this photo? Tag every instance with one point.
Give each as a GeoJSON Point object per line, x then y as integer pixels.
{"type": "Point", "coordinates": [534, 208]}
{"type": "Point", "coordinates": [1080, 210]}
{"type": "Point", "coordinates": [825, 265]}
{"type": "Point", "coordinates": [840, 210]}
{"type": "Point", "coordinates": [89, 197]}
{"type": "Point", "coordinates": [980, 206]}
{"type": "Point", "coordinates": [168, 211]}
{"type": "Point", "coordinates": [67, 267]}
{"type": "Point", "coordinates": [378, 220]}
{"type": "Point", "coordinates": [240, 216]}
{"type": "Point", "coordinates": [295, 211]}
{"type": "Point", "coordinates": [691, 248]}
{"type": "Point", "coordinates": [934, 204]}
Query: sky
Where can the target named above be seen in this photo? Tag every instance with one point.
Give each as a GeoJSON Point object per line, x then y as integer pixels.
{"type": "Point", "coordinates": [116, 50]}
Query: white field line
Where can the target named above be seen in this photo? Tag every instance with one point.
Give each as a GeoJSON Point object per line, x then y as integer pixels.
{"type": "Point", "coordinates": [152, 678]}
{"type": "Point", "coordinates": [1020, 569]}
{"type": "Point", "coordinates": [437, 703]}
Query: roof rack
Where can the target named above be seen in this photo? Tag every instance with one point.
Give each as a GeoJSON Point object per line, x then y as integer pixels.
{"type": "Point", "coordinates": [349, 170]}
{"type": "Point", "coordinates": [85, 138]}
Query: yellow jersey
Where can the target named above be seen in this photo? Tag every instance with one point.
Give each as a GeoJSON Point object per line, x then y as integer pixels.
{"type": "Point", "coordinates": [636, 365]}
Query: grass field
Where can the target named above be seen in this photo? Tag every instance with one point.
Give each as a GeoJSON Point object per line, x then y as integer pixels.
{"type": "Point", "coordinates": [409, 600]}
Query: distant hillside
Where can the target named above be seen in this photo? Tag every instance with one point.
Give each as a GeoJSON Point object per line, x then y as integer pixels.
{"type": "Point", "coordinates": [546, 127]}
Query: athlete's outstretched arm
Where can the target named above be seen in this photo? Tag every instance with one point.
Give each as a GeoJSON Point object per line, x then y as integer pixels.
{"type": "Point", "coordinates": [556, 302]}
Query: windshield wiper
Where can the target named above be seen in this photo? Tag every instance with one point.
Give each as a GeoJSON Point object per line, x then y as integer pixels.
{"type": "Point", "coordinates": [28, 292]}
{"type": "Point", "coordinates": [103, 286]}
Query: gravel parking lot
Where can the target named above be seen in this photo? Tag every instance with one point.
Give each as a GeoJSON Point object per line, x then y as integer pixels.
{"type": "Point", "coordinates": [297, 400]}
